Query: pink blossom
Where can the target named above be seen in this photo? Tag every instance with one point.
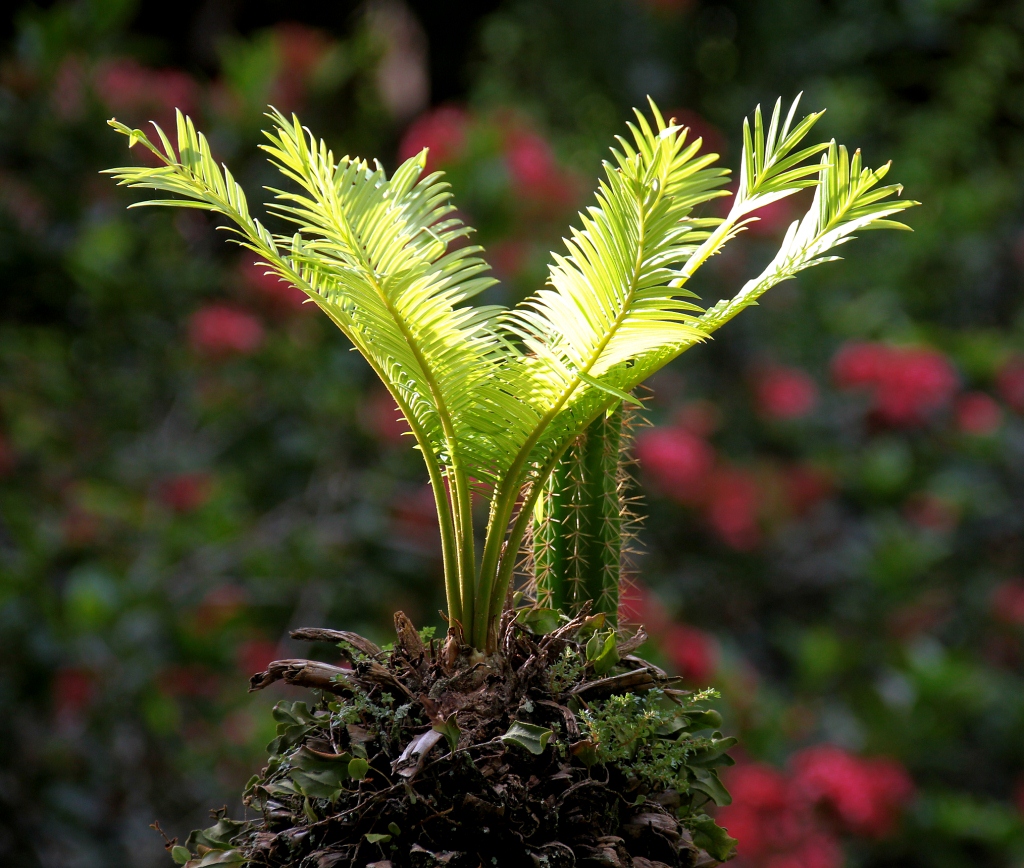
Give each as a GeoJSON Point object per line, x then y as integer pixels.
{"type": "Point", "coordinates": [693, 652]}
{"type": "Point", "coordinates": [220, 330]}
{"type": "Point", "coordinates": [677, 462]}
{"type": "Point", "coordinates": [785, 393]}
{"type": "Point", "coordinates": [1008, 602]}
{"type": "Point", "coordinates": [68, 94]}
{"type": "Point", "coordinates": [773, 825]}
{"type": "Point", "coordinates": [907, 383]}
{"type": "Point", "coordinates": [732, 504]}
{"type": "Point", "coordinates": [443, 130]}
{"type": "Point", "coordinates": [187, 492]}
{"type": "Point", "coordinates": [924, 614]}
{"type": "Point", "coordinates": [508, 257]}
{"type": "Point", "coordinates": [301, 47]}
{"type": "Point", "coordinates": [978, 413]}
{"type": "Point", "coordinates": [758, 786]}
{"type": "Point", "coordinates": [1010, 383]}
{"type": "Point", "coordinates": [534, 171]}
{"type": "Point", "coordinates": [920, 382]}
{"type": "Point", "coordinates": [865, 795]}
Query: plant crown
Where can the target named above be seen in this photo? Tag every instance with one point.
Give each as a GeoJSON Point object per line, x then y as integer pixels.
{"type": "Point", "coordinates": [495, 396]}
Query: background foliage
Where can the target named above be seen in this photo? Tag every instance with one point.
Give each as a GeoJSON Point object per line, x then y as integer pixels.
{"type": "Point", "coordinates": [192, 463]}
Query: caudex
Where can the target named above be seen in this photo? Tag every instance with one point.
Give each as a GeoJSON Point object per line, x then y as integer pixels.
{"type": "Point", "coordinates": [523, 406]}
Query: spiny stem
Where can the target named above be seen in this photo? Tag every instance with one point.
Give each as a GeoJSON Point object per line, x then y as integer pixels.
{"type": "Point", "coordinates": [600, 516]}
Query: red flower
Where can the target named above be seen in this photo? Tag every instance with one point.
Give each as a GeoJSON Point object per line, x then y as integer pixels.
{"type": "Point", "coordinates": [785, 393]}
{"type": "Point", "coordinates": [758, 786]}
{"type": "Point", "coordinates": [281, 296]}
{"type": "Point", "coordinates": [187, 492]}
{"type": "Point", "coordinates": [73, 690]}
{"type": "Point", "coordinates": [301, 48]}
{"type": "Point", "coordinates": [1008, 602]}
{"type": "Point", "coordinates": [443, 130]}
{"type": "Point", "coordinates": [773, 825]}
{"type": "Point", "coordinates": [920, 382]}
{"type": "Point", "coordinates": [978, 413]}
{"type": "Point", "coordinates": [677, 462]}
{"type": "Point", "coordinates": [255, 655]}
{"type": "Point", "coordinates": [534, 171]}
{"type": "Point", "coordinates": [732, 505]}
{"type": "Point", "coordinates": [866, 796]}
{"type": "Point", "coordinates": [1010, 383]}
{"type": "Point", "coordinates": [908, 384]}
{"type": "Point", "coordinates": [693, 652]}
{"type": "Point", "coordinates": [220, 330]}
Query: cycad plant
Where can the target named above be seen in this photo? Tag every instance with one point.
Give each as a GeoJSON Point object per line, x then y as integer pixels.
{"type": "Point", "coordinates": [523, 407]}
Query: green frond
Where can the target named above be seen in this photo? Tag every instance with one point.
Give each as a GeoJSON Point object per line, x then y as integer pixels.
{"type": "Point", "coordinates": [495, 397]}
{"type": "Point", "coordinates": [847, 199]}
{"type": "Point", "coordinates": [617, 309]}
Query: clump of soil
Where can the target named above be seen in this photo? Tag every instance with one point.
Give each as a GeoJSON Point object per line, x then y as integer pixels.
{"type": "Point", "coordinates": [557, 750]}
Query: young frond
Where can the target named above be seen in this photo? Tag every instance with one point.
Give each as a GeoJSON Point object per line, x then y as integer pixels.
{"type": "Point", "coordinates": [847, 199]}
{"type": "Point", "coordinates": [617, 309]}
{"type": "Point", "coordinates": [493, 396]}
